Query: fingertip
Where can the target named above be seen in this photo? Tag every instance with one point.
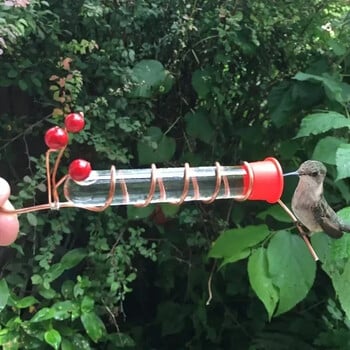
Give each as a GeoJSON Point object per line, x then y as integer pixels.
{"type": "Point", "coordinates": [4, 191]}
{"type": "Point", "coordinates": [9, 226]}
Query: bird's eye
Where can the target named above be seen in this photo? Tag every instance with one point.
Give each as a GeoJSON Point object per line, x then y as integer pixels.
{"type": "Point", "coordinates": [314, 173]}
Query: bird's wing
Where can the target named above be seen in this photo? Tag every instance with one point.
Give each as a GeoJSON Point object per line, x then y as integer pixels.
{"type": "Point", "coordinates": [329, 224]}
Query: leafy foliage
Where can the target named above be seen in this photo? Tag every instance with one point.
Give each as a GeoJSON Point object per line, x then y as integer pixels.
{"type": "Point", "coordinates": [173, 82]}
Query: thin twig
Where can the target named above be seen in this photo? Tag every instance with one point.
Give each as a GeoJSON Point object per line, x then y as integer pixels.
{"type": "Point", "coordinates": [210, 297]}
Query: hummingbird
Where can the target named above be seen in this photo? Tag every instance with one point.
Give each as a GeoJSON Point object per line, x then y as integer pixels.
{"type": "Point", "coordinates": [309, 204]}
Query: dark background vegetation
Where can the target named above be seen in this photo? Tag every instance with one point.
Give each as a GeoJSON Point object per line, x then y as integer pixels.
{"type": "Point", "coordinates": [220, 87]}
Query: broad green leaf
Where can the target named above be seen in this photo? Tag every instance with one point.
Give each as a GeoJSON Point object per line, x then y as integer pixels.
{"type": "Point", "coordinates": [322, 245]}
{"type": "Point", "coordinates": [342, 159]}
{"type": "Point", "coordinates": [277, 212]}
{"type": "Point", "coordinates": [326, 148]}
{"type": "Point", "coordinates": [54, 272]}
{"type": "Point", "coordinates": [235, 244]}
{"type": "Point", "coordinates": [87, 304]}
{"type": "Point", "coordinates": [67, 345]}
{"type": "Point", "coordinates": [260, 280]}
{"type": "Point", "coordinates": [43, 315]}
{"type": "Point", "coordinates": [7, 336]}
{"type": "Point", "coordinates": [66, 309]}
{"type": "Point", "coordinates": [121, 340]}
{"type": "Point", "coordinates": [4, 293]}
{"type": "Point", "coordinates": [53, 338]}
{"type": "Point", "coordinates": [318, 123]}
{"type": "Point", "coordinates": [291, 268]}
{"type": "Point", "coordinates": [169, 210]}
{"type": "Point", "coordinates": [341, 286]}
{"type": "Point", "coordinates": [334, 88]}
{"type": "Point", "coordinates": [198, 126]}
{"type": "Point", "coordinates": [161, 148]}
{"type": "Point", "coordinates": [32, 219]}
{"type": "Point", "coordinates": [93, 325]}
{"type": "Point", "coordinates": [73, 258]}
{"type": "Point", "coordinates": [344, 214]}
{"type": "Point", "coordinates": [150, 78]}
{"type": "Point", "coordinates": [26, 302]}
{"type": "Point", "coordinates": [202, 82]}
{"type": "Point", "coordinates": [280, 103]}
{"type": "Point", "coordinates": [137, 213]}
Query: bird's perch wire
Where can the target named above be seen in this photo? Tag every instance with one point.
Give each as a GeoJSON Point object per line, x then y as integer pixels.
{"type": "Point", "coordinates": [302, 233]}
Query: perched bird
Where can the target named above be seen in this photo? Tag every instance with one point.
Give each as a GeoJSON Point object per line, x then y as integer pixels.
{"type": "Point", "coordinates": [309, 205]}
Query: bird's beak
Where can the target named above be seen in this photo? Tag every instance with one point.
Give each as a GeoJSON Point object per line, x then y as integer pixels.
{"type": "Point", "coordinates": [292, 173]}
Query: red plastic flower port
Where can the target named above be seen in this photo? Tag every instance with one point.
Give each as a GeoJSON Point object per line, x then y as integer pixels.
{"type": "Point", "coordinates": [56, 138]}
{"type": "Point", "coordinates": [79, 169]}
{"type": "Point", "coordinates": [74, 122]}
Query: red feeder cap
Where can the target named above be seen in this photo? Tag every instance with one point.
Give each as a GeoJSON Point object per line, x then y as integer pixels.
{"type": "Point", "coordinates": [264, 180]}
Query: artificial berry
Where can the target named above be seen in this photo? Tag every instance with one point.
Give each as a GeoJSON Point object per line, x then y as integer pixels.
{"type": "Point", "coordinates": [79, 169]}
{"type": "Point", "coordinates": [74, 122]}
{"type": "Point", "coordinates": [56, 138]}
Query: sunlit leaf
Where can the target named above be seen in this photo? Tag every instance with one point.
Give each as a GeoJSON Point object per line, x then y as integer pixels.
{"type": "Point", "coordinates": [4, 293]}
{"type": "Point", "coordinates": [202, 82]}
{"type": "Point", "coordinates": [291, 267]}
{"type": "Point", "coordinates": [235, 244]}
{"type": "Point", "coordinates": [93, 325]}
{"type": "Point", "coordinates": [318, 123]}
{"type": "Point", "coordinates": [260, 280]}
{"type": "Point", "coordinates": [343, 161]}
{"type": "Point", "coordinates": [326, 148]}
{"type": "Point", "coordinates": [53, 338]}
{"type": "Point", "coordinates": [159, 149]}
{"type": "Point", "coordinates": [198, 126]}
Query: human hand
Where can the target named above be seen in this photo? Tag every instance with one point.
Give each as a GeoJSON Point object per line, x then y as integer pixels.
{"type": "Point", "coordinates": [9, 225]}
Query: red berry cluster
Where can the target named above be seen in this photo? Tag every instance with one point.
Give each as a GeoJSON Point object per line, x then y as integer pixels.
{"type": "Point", "coordinates": [56, 138]}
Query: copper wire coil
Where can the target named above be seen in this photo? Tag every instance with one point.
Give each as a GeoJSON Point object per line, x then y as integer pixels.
{"type": "Point", "coordinates": [155, 181]}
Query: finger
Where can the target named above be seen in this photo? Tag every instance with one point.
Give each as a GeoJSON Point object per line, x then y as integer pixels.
{"type": "Point", "coordinates": [9, 226]}
{"type": "Point", "coordinates": [4, 191]}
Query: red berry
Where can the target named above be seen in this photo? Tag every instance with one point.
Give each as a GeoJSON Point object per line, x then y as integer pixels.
{"type": "Point", "coordinates": [79, 169]}
{"type": "Point", "coordinates": [75, 122]}
{"type": "Point", "coordinates": [56, 138]}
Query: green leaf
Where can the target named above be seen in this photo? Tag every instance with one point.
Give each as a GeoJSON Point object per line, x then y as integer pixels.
{"type": "Point", "coordinates": [333, 87]}
{"type": "Point", "coordinates": [137, 213]}
{"type": "Point", "coordinates": [4, 293]}
{"type": "Point", "coordinates": [281, 104]}
{"type": "Point", "coordinates": [93, 325]}
{"type": "Point", "coordinates": [33, 221]}
{"type": "Point", "coordinates": [277, 212]}
{"type": "Point", "coordinates": [67, 345]}
{"type": "Point", "coordinates": [150, 78]}
{"type": "Point", "coordinates": [73, 258]}
{"type": "Point", "coordinates": [235, 244]}
{"type": "Point", "coordinates": [53, 338]}
{"type": "Point", "coordinates": [202, 82]}
{"type": "Point", "coordinates": [199, 127]}
{"type": "Point", "coordinates": [318, 123]}
{"type": "Point", "coordinates": [26, 302]}
{"type": "Point", "coordinates": [292, 272]}
{"type": "Point", "coordinates": [121, 340]}
{"type": "Point", "coordinates": [260, 280]}
{"type": "Point", "coordinates": [87, 304]}
{"type": "Point", "coordinates": [43, 315]}
{"type": "Point", "coordinates": [341, 286]}
{"type": "Point", "coordinates": [161, 148]}
{"type": "Point", "coordinates": [342, 160]}
{"type": "Point", "coordinates": [169, 210]}
{"type": "Point", "coordinates": [326, 148]}
{"type": "Point", "coordinates": [66, 309]}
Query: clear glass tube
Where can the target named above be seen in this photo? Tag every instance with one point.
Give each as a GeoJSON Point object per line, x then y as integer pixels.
{"type": "Point", "coordinates": [161, 185]}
